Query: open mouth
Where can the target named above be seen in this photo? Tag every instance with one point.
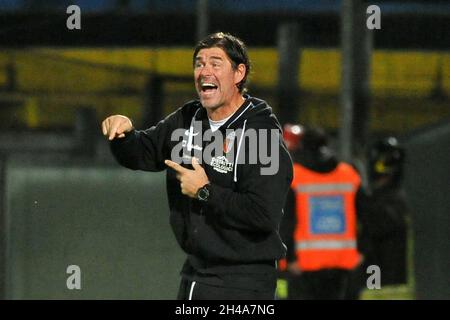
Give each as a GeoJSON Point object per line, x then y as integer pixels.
{"type": "Point", "coordinates": [208, 87]}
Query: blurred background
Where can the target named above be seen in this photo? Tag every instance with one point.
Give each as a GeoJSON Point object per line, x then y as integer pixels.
{"type": "Point", "coordinates": [63, 199]}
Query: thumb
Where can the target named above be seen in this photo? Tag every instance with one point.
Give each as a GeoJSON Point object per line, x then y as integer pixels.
{"type": "Point", "coordinates": [124, 127]}
{"type": "Point", "coordinates": [195, 164]}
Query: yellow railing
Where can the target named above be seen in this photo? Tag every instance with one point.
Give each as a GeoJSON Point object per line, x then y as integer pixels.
{"type": "Point", "coordinates": [393, 72]}
{"type": "Point", "coordinates": [53, 82]}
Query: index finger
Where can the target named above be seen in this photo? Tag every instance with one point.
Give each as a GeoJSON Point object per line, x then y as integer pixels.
{"type": "Point", "coordinates": [104, 131]}
{"type": "Point", "coordinates": [175, 166]}
{"type": "Point", "coordinates": [106, 127]}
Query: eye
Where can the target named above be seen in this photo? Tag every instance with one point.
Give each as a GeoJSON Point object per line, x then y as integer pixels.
{"type": "Point", "coordinates": [198, 64]}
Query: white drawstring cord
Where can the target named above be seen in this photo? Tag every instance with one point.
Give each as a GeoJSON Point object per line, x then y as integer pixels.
{"type": "Point", "coordinates": [192, 290]}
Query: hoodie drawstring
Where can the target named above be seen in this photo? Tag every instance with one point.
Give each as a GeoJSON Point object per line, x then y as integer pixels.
{"type": "Point", "coordinates": [191, 134]}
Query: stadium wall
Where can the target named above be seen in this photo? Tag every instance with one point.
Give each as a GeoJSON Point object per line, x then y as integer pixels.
{"type": "Point", "coordinates": [111, 222]}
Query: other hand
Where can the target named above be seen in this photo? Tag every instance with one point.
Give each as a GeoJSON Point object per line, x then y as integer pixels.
{"type": "Point", "coordinates": [116, 126]}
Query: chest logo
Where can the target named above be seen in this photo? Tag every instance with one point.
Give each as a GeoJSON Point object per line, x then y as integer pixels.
{"type": "Point", "coordinates": [221, 164]}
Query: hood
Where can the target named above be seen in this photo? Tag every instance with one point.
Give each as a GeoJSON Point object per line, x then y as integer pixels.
{"type": "Point", "coordinates": [254, 112]}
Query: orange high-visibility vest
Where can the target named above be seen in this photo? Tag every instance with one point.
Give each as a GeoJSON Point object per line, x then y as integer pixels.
{"type": "Point", "coordinates": [325, 236]}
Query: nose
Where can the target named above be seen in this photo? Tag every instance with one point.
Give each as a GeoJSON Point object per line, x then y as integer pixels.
{"type": "Point", "coordinates": [205, 71]}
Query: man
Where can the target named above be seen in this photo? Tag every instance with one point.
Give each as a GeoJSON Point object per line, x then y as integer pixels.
{"type": "Point", "coordinates": [320, 223]}
{"type": "Point", "coordinates": [225, 212]}
{"type": "Point", "coordinates": [383, 214]}
{"type": "Point", "coordinates": [386, 212]}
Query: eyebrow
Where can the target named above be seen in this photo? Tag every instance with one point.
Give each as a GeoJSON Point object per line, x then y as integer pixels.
{"type": "Point", "coordinates": [211, 58]}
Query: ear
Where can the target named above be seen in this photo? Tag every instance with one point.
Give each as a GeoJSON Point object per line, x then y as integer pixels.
{"type": "Point", "coordinates": [239, 73]}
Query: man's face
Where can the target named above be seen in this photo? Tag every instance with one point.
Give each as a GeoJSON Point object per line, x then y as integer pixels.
{"type": "Point", "coordinates": [215, 78]}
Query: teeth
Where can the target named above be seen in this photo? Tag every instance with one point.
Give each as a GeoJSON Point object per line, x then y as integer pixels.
{"type": "Point", "coordinates": [208, 85]}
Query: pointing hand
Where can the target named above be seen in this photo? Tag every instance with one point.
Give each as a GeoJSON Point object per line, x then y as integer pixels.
{"type": "Point", "coordinates": [190, 180]}
{"type": "Point", "coordinates": [116, 126]}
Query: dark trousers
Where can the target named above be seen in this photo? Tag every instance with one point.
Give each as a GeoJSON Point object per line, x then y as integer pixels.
{"type": "Point", "coordinates": [192, 290]}
{"type": "Point", "coordinates": [329, 284]}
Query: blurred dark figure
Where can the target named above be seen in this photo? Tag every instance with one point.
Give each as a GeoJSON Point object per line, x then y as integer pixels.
{"type": "Point", "coordinates": [385, 212]}
{"type": "Point", "coordinates": [319, 226]}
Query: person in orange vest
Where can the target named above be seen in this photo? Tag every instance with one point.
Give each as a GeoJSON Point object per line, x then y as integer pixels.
{"type": "Point", "coordinates": [319, 225]}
